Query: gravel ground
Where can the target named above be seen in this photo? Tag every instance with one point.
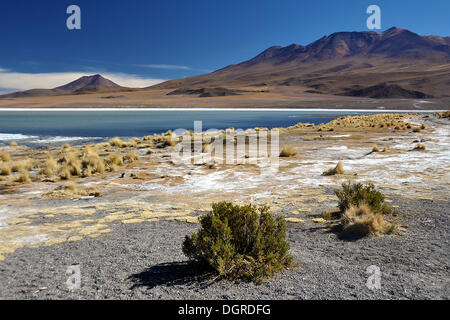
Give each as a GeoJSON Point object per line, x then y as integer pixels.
{"type": "Point", "coordinates": [145, 261]}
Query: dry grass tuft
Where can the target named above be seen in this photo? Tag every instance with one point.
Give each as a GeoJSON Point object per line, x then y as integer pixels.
{"type": "Point", "coordinates": [339, 169]}
{"type": "Point", "coordinates": [24, 177]}
{"type": "Point", "coordinates": [70, 190]}
{"type": "Point", "coordinates": [13, 144]}
{"type": "Point", "coordinates": [64, 172]}
{"type": "Point", "coordinates": [91, 162]}
{"type": "Point", "coordinates": [113, 161]}
{"type": "Point", "coordinates": [375, 148]}
{"type": "Point", "coordinates": [131, 157]}
{"type": "Point", "coordinates": [50, 167]}
{"type": "Point", "coordinates": [5, 169]}
{"type": "Point", "coordinates": [22, 165]}
{"type": "Point", "coordinates": [70, 161]}
{"type": "Point", "coordinates": [117, 142]}
{"type": "Point", "coordinates": [287, 151]}
{"type": "Point", "coordinates": [420, 147]}
{"type": "Point", "coordinates": [5, 157]}
{"type": "Point", "coordinates": [358, 222]}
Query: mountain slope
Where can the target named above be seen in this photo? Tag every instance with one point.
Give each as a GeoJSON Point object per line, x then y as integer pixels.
{"type": "Point", "coordinates": [83, 85]}
{"type": "Point", "coordinates": [341, 62]}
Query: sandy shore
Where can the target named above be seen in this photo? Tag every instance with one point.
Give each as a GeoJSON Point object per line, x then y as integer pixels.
{"type": "Point", "coordinates": [128, 241]}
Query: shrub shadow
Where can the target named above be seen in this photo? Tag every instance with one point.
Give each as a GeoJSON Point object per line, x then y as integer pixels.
{"type": "Point", "coordinates": [170, 274]}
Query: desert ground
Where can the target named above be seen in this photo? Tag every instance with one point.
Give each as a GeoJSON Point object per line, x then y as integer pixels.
{"type": "Point", "coordinates": [250, 97]}
{"type": "Point", "coordinates": [123, 224]}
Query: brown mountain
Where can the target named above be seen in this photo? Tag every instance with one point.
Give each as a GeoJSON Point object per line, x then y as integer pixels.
{"type": "Point", "coordinates": [88, 81]}
{"type": "Point", "coordinates": [83, 85]}
{"type": "Point", "coordinates": [342, 63]}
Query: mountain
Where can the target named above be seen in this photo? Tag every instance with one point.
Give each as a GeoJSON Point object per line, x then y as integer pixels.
{"type": "Point", "coordinates": [88, 81]}
{"type": "Point", "coordinates": [341, 63]}
{"type": "Point", "coordinates": [83, 85]}
{"type": "Point", "coordinates": [383, 90]}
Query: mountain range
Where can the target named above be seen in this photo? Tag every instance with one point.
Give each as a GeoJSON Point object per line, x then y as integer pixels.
{"type": "Point", "coordinates": [396, 63]}
{"type": "Point", "coordinates": [343, 63]}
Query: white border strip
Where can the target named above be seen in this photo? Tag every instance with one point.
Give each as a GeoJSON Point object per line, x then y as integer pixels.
{"type": "Point", "coordinates": [215, 109]}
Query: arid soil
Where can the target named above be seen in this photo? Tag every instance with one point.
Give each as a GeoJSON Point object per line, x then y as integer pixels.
{"type": "Point", "coordinates": [127, 238]}
{"type": "Point", "coordinates": [250, 97]}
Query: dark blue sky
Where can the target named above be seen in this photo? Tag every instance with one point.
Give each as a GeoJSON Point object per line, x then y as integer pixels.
{"type": "Point", "coordinates": [166, 39]}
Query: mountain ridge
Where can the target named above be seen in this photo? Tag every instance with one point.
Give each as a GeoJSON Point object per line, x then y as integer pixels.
{"type": "Point", "coordinates": [341, 62]}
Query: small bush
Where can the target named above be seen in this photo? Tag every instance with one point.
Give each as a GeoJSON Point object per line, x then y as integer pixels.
{"type": "Point", "coordinates": [287, 151]}
{"type": "Point", "coordinates": [355, 195]}
{"type": "Point", "coordinates": [13, 144]}
{"type": "Point", "coordinates": [240, 243]}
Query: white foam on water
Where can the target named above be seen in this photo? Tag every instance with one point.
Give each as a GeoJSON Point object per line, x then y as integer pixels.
{"type": "Point", "coordinates": [15, 136]}
{"type": "Point", "coordinates": [61, 139]}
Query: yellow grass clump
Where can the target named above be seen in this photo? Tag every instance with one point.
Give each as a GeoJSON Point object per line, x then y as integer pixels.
{"type": "Point", "coordinates": [70, 190]}
{"type": "Point", "coordinates": [420, 147]}
{"type": "Point", "coordinates": [24, 177]}
{"type": "Point", "coordinates": [131, 157]}
{"type": "Point", "coordinates": [339, 169]}
{"type": "Point", "coordinates": [91, 162]}
{"type": "Point", "coordinates": [22, 165]}
{"type": "Point", "coordinates": [50, 167]}
{"type": "Point", "coordinates": [5, 169]}
{"type": "Point", "coordinates": [5, 157]}
{"type": "Point", "coordinates": [375, 148]}
{"type": "Point", "coordinates": [117, 142]}
{"type": "Point", "coordinates": [71, 162]}
{"type": "Point", "coordinates": [13, 144]}
{"type": "Point", "coordinates": [113, 161]}
{"type": "Point", "coordinates": [287, 151]}
{"type": "Point", "coordinates": [64, 172]}
{"type": "Point", "coordinates": [360, 221]}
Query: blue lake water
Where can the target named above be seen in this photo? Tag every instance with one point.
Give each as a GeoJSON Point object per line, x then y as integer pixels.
{"type": "Point", "coordinates": [42, 127]}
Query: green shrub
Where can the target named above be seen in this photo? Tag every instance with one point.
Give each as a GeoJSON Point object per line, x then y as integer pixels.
{"type": "Point", "coordinates": [355, 195]}
{"type": "Point", "coordinates": [240, 242]}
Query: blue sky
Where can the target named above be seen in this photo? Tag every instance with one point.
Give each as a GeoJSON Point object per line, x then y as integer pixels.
{"type": "Point", "coordinates": [140, 42]}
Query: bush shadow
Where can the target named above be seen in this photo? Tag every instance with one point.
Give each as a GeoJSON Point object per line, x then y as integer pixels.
{"type": "Point", "coordinates": [170, 274]}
